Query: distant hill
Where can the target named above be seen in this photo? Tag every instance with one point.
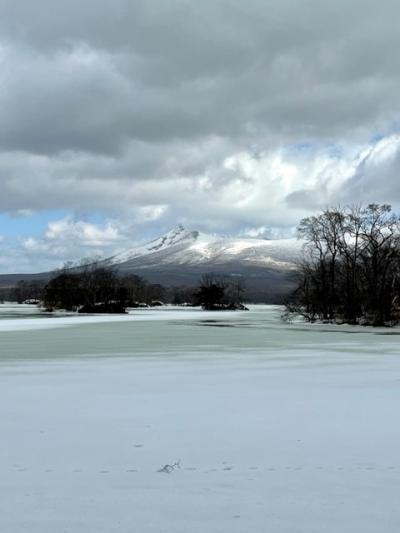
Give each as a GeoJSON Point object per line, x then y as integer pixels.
{"type": "Point", "coordinates": [181, 256]}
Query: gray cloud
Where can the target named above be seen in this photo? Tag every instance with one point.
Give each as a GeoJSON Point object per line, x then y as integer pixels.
{"type": "Point", "coordinates": [93, 75]}
{"type": "Point", "coordinates": [223, 114]}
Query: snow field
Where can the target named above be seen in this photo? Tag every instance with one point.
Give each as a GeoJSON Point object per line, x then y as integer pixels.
{"type": "Point", "coordinates": [277, 428]}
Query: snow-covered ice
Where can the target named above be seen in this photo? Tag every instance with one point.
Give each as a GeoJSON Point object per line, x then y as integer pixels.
{"type": "Point", "coordinates": [277, 427]}
{"type": "Point", "coordinates": [34, 318]}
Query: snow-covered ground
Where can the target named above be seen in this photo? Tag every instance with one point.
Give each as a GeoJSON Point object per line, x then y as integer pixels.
{"type": "Point", "coordinates": [278, 428]}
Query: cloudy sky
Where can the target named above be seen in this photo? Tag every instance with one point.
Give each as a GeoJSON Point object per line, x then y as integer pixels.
{"type": "Point", "coordinates": [119, 120]}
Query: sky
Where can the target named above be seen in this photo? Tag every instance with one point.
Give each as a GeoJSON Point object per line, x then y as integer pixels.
{"type": "Point", "coordinates": [120, 120]}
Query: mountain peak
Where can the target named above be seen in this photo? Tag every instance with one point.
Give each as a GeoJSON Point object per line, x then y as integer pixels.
{"type": "Point", "coordinates": [176, 236]}
{"type": "Point", "coordinates": [168, 239]}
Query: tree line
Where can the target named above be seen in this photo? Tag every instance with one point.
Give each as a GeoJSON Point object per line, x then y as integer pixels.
{"type": "Point", "coordinates": [97, 289]}
{"type": "Point", "coordinates": [350, 271]}
{"type": "Point", "coordinates": [91, 288]}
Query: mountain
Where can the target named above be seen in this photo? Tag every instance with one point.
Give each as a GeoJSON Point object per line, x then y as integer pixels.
{"type": "Point", "coordinates": [180, 247]}
{"type": "Point", "coordinates": [180, 257]}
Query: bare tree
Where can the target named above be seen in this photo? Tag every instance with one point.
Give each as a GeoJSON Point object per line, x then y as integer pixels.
{"type": "Point", "coordinates": [350, 268]}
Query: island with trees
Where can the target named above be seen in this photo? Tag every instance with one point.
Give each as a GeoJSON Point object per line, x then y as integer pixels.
{"type": "Point", "coordinates": [94, 289]}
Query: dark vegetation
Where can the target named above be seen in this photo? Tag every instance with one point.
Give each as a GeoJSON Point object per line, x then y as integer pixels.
{"type": "Point", "coordinates": [101, 290]}
{"type": "Point", "coordinates": [31, 291]}
{"type": "Point", "coordinates": [219, 293]}
{"type": "Point", "coordinates": [350, 272]}
{"type": "Point", "coordinates": [93, 289]}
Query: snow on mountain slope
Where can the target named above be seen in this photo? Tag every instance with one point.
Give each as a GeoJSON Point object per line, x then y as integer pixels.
{"type": "Point", "coordinates": [173, 237]}
{"type": "Point", "coordinates": [182, 247]}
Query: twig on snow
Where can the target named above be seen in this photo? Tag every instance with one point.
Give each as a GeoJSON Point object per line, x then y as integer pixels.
{"type": "Point", "coordinates": [167, 469]}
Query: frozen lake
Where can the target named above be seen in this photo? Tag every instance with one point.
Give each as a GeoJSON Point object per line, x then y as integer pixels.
{"type": "Point", "coordinates": [277, 427]}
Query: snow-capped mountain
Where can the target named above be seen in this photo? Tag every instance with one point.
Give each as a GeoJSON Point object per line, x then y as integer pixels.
{"type": "Point", "coordinates": [181, 256]}
{"type": "Point", "coordinates": [181, 247]}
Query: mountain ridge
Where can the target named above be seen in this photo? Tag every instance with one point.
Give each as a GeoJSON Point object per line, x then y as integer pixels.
{"type": "Point", "coordinates": [191, 247]}
{"type": "Point", "coordinates": [181, 256]}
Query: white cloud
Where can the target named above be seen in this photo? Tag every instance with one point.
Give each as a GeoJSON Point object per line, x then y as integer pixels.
{"type": "Point", "coordinates": [261, 194]}
{"type": "Point", "coordinates": [66, 239]}
{"type": "Point", "coordinates": [149, 213]}
{"type": "Point", "coordinates": [84, 233]}
{"type": "Point", "coordinates": [234, 187]}
{"type": "Point", "coordinates": [266, 232]}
